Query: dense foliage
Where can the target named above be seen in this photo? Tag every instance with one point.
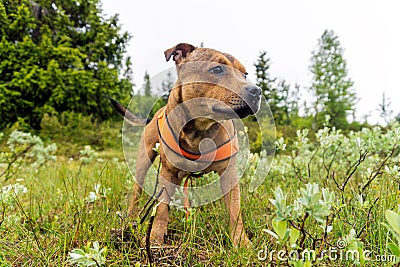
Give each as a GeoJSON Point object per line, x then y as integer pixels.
{"type": "Point", "coordinates": [59, 56]}
{"type": "Point", "coordinates": [360, 175]}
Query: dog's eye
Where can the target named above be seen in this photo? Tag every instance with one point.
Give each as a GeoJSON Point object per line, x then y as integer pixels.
{"type": "Point", "coordinates": [218, 70]}
{"type": "Point", "coordinates": [245, 75]}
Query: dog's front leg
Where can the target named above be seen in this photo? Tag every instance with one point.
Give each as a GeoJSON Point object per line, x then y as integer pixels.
{"type": "Point", "coordinates": [231, 190]}
{"type": "Point", "coordinates": [145, 158]}
{"type": "Point", "coordinates": [169, 180]}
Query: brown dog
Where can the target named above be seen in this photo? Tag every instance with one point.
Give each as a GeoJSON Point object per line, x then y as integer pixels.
{"type": "Point", "coordinates": [210, 91]}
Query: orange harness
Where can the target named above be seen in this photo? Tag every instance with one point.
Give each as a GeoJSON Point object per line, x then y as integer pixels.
{"type": "Point", "coordinates": [222, 152]}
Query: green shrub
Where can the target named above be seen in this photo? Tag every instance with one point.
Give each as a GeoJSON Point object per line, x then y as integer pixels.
{"type": "Point", "coordinates": [23, 150]}
{"type": "Point", "coordinates": [261, 135]}
{"type": "Point", "coordinates": [72, 131]}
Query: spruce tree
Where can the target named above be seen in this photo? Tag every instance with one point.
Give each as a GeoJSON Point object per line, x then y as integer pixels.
{"type": "Point", "coordinates": [278, 94]}
{"type": "Point", "coordinates": [332, 88]}
{"type": "Point", "coordinates": [147, 84]}
{"type": "Point", "coordinates": [266, 82]}
{"type": "Point", "coordinates": [385, 109]}
{"type": "Point", "coordinates": [60, 55]}
{"type": "Point", "coordinates": [167, 83]}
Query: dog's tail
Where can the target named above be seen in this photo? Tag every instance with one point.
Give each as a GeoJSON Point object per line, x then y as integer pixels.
{"type": "Point", "coordinates": [128, 116]}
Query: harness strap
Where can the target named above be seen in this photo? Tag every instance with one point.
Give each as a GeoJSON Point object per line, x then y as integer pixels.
{"type": "Point", "coordinates": [222, 152]}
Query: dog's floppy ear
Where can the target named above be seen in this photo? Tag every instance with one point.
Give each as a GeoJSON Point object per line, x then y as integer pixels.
{"type": "Point", "coordinates": [179, 52]}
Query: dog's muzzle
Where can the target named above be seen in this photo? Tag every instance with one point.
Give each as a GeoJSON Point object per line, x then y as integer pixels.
{"type": "Point", "coordinates": [242, 106]}
{"type": "Point", "coordinates": [250, 103]}
{"type": "Point", "coordinates": [252, 98]}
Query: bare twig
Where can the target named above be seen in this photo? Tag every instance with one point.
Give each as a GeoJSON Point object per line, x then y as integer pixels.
{"type": "Point", "coordinates": [353, 169]}
{"type": "Point", "coordinates": [152, 204]}
{"type": "Point", "coordinates": [334, 179]}
{"type": "Point", "coordinates": [303, 231]}
{"type": "Point", "coordinates": [309, 162]}
{"type": "Point", "coordinates": [154, 192]}
{"type": "Point", "coordinates": [369, 214]}
{"type": "Point", "coordinates": [296, 170]}
{"type": "Point", "coordinates": [377, 171]}
{"type": "Point", "coordinates": [328, 168]}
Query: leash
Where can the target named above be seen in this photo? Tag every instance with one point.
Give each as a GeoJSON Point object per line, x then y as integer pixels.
{"type": "Point", "coordinates": [186, 202]}
{"type": "Point", "coordinates": [152, 200]}
{"type": "Point", "coordinates": [147, 207]}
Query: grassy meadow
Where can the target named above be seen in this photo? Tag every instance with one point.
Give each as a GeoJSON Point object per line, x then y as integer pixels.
{"type": "Point", "coordinates": [325, 189]}
{"type": "Point", "coordinates": [330, 198]}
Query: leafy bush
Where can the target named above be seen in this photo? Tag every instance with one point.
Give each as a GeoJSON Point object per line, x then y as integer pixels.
{"type": "Point", "coordinates": [350, 163]}
{"type": "Point", "coordinates": [261, 134]}
{"type": "Point", "coordinates": [9, 195]}
{"type": "Point", "coordinates": [58, 56]}
{"type": "Point", "coordinates": [9, 192]}
{"type": "Point", "coordinates": [145, 106]}
{"type": "Point", "coordinates": [88, 256]}
{"type": "Point", "coordinates": [88, 155]}
{"type": "Point", "coordinates": [394, 228]}
{"type": "Point", "coordinates": [72, 131]}
{"type": "Point", "coordinates": [355, 169]}
{"type": "Point", "coordinates": [24, 150]}
{"type": "Point", "coordinates": [309, 218]}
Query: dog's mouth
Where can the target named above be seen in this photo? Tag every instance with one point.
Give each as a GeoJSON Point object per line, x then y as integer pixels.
{"type": "Point", "coordinates": [243, 110]}
{"type": "Point", "coordinates": [241, 105]}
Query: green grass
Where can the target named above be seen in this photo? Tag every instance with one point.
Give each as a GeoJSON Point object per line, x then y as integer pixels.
{"type": "Point", "coordinates": [43, 225]}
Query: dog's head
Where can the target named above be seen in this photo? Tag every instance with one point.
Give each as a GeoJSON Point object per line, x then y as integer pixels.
{"type": "Point", "coordinates": [205, 73]}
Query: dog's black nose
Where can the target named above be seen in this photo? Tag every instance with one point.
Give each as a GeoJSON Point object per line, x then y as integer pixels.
{"type": "Point", "coordinates": [253, 90]}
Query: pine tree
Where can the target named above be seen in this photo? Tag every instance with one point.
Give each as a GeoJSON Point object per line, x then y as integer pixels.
{"type": "Point", "coordinates": [280, 98]}
{"type": "Point", "coordinates": [385, 110]}
{"type": "Point", "coordinates": [167, 83]}
{"type": "Point", "coordinates": [266, 82]}
{"type": "Point", "coordinates": [282, 103]}
{"type": "Point", "coordinates": [263, 77]}
{"type": "Point", "coordinates": [333, 90]}
{"type": "Point", "coordinates": [147, 84]}
{"type": "Point", "coordinates": [60, 55]}
{"type": "Point", "coordinates": [294, 100]}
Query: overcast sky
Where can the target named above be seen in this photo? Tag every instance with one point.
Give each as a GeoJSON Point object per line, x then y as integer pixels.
{"type": "Point", "coordinates": [368, 30]}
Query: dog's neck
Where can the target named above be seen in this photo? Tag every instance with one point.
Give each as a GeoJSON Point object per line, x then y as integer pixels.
{"type": "Point", "coordinates": [191, 132]}
{"type": "Point", "coordinates": [200, 128]}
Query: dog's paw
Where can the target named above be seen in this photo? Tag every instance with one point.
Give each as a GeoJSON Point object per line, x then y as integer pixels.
{"type": "Point", "coordinates": [245, 242]}
{"type": "Point", "coordinates": [155, 241]}
{"type": "Point", "coordinates": [242, 241]}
